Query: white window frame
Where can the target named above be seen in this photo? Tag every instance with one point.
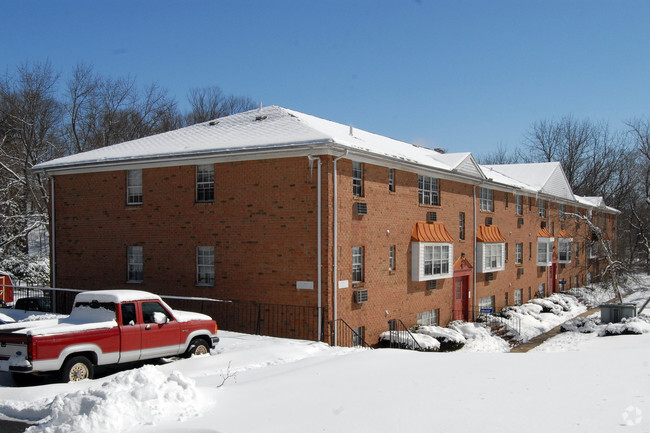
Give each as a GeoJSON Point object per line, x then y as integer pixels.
{"type": "Point", "coordinates": [461, 226]}
{"type": "Point", "coordinates": [432, 261]}
{"type": "Point", "coordinates": [545, 251]}
{"type": "Point", "coordinates": [487, 199]}
{"type": "Point", "coordinates": [205, 266]}
{"type": "Point", "coordinates": [429, 318]}
{"type": "Point", "coordinates": [134, 187]}
{"type": "Point", "coordinates": [519, 204]}
{"type": "Point", "coordinates": [541, 208]}
{"type": "Point", "coordinates": [592, 249]}
{"type": "Point", "coordinates": [428, 190]}
{"type": "Point", "coordinates": [135, 264]}
{"type": "Point", "coordinates": [205, 183]}
{"type": "Point", "coordinates": [357, 179]}
{"type": "Point", "coordinates": [490, 257]}
{"type": "Point", "coordinates": [519, 296]}
{"type": "Point", "coordinates": [357, 264]}
{"type": "Point", "coordinates": [541, 290]}
{"type": "Point", "coordinates": [519, 253]}
{"type": "Point", "coordinates": [564, 250]}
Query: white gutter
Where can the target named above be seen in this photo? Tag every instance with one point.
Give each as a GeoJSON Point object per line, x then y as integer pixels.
{"type": "Point", "coordinates": [319, 243]}
{"type": "Point", "coordinates": [335, 281]}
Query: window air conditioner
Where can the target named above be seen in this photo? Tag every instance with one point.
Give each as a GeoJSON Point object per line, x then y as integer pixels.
{"type": "Point", "coordinates": [360, 296]}
{"type": "Point", "coordinates": [361, 208]}
{"type": "Point", "coordinates": [432, 217]}
{"type": "Point", "coordinates": [488, 221]}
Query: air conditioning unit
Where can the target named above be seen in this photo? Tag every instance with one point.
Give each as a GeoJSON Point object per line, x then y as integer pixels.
{"type": "Point", "coordinates": [520, 271]}
{"type": "Point", "coordinates": [520, 222]}
{"type": "Point", "coordinates": [488, 221]}
{"type": "Point", "coordinates": [360, 296]}
{"type": "Point", "coordinates": [489, 276]}
{"type": "Point", "coordinates": [361, 208]}
{"type": "Point", "coordinates": [432, 284]}
{"type": "Point", "coordinates": [432, 217]}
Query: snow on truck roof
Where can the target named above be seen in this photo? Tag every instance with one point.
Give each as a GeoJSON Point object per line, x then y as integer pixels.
{"type": "Point", "coordinates": [115, 296]}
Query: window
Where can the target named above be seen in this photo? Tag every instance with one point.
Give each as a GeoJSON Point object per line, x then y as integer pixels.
{"type": "Point", "coordinates": [564, 250]}
{"type": "Point", "coordinates": [530, 250]}
{"type": "Point", "coordinates": [519, 296]}
{"type": "Point", "coordinates": [519, 252]}
{"type": "Point", "coordinates": [205, 266]}
{"type": "Point", "coordinates": [544, 252]}
{"type": "Point", "coordinates": [357, 179]}
{"type": "Point", "coordinates": [429, 318]}
{"type": "Point", "coordinates": [428, 191]}
{"type": "Point", "coordinates": [205, 183]}
{"type": "Point", "coordinates": [506, 299]}
{"type": "Point", "coordinates": [505, 200]}
{"type": "Point", "coordinates": [358, 334]}
{"type": "Point", "coordinates": [592, 249]}
{"type": "Point", "coordinates": [560, 210]}
{"type": "Point", "coordinates": [575, 281]}
{"type": "Point", "coordinates": [519, 205]}
{"type": "Point", "coordinates": [530, 292]}
{"type": "Point", "coordinates": [577, 250]}
{"type": "Point", "coordinates": [603, 217]}
{"type": "Point", "coordinates": [357, 264]}
{"type": "Point", "coordinates": [461, 226]}
{"type": "Point", "coordinates": [129, 317]}
{"type": "Point", "coordinates": [487, 203]}
{"type": "Point", "coordinates": [541, 290]}
{"type": "Point", "coordinates": [134, 187]}
{"type": "Point", "coordinates": [151, 309]}
{"type": "Point", "coordinates": [490, 257]}
{"type": "Point", "coordinates": [391, 258]}
{"type": "Point", "coordinates": [588, 277]}
{"type": "Point", "coordinates": [486, 305]}
{"type": "Point", "coordinates": [391, 179]}
{"type": "Point", "coordinates": [541, 208]}
{"type": "Point", "coordinates": [134, 264]}
{"type": "Point", "coordinates": [431, 261]}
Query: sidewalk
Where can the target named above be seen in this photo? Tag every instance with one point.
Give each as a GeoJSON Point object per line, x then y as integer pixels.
{"type": "Point", "coordinates": [536, 341]}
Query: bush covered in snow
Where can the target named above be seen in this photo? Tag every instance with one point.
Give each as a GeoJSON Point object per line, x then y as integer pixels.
{"type": "Point", "coordinates": [479, 338]}
{"type": "Point", "coordinates": [628, 326]}
{"type": "Point", "coordinates": [29, 270]}
{"type": "Point", "coordinates": [449, 339]}
{"type": "Point", "coordinates": [406, 340]}
{"type": "Point", "coordinates": [584, 325]}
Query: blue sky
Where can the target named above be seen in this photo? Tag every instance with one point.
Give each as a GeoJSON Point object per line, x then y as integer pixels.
{"type": "Point", "coordinates": [461, 75]}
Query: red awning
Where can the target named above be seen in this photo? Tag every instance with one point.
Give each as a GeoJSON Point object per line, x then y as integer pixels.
{"type": "Point", "coordinates": [564, 234]}
{"type": "Point", "coordinates": [543, 233]}
{"type": "Point", "coordinates": [430, 232]}
{"type": "Point", "coordinates": [490, 234]}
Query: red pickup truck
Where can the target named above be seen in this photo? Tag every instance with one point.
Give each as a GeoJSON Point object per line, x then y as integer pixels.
{"type": "Point", "coordinates": [105, 327]}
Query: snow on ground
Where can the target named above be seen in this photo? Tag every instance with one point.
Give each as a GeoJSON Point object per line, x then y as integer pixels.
{"type": "Point", "coordinates": [574, 382]}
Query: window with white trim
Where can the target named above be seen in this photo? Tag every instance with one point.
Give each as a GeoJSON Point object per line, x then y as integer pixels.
{"type": "Point", "coordinates": [135, 264]}
{"type": "Point", "coordinates": [487, 201]}
{"type": "Point", "coordinates": [490, 257]}
{"type": "Point", "coordinates": [564, 250]}
{"type": "Point", "coordinates": [428, 191]}
{"type": "Point", "coordinates": [592, 249]}
{"type": "Point", "coordinates": [205, 266]}
{"type": "Point", "coordinates": [429, 318]}
{"type": "Point", "coordinates": [486, 305]}
{"type": "Point", "coordinates": [461, 226]}
{"type": "Point", "coordinates": [357, 264]}
{"type": "Point", "coordinates": [205, 183]}
{"type": "Point", "coordinates": [431, 261]}
{"type": "Point", "coordinates": [519, 296]}
{"type": "Point", "coordinates": [357, 179]}
{"type": "Point", "coordinates": [519, 205]}
{"type": "Point", "coordinates": [134, 187]}
{"type": "Point", "coordinates": [544, 251]}
{"type": "Point", "coordinates": [519, 252]}
{"type": "Point", "coordinates": [541, 208]}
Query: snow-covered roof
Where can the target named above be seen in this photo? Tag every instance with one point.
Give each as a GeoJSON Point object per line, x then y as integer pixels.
{"type": "Point", "coordinates": [269, 129]}
{"type": "Point", "coordinates": [595, 203]}
{"type": "Point", "coordinates": [540, 178]}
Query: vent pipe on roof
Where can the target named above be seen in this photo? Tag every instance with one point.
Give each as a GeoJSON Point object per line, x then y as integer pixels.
{"type": "Point", "coordinates": [260, 105]}
{"type": "Point", "coordinates": [351, 131]}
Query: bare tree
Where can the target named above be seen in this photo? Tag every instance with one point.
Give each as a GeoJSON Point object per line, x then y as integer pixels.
{"type": "Point", "coordinates": [209, 103]}
{"type": "Point", "coordinates": [500, 155]}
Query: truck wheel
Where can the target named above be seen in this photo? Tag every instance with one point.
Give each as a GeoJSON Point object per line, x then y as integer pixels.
{"type": "Point", "coordinates": [198, 346]}
{"type": "Point", "coordinates": [76, 369]}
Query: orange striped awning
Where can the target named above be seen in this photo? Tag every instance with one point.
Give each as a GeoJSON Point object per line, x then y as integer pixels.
{"type": "Point", "coordinates": [564, 234]}
{"type": "Point", "coordinates": [490, 234]}
{"type": "Point", "coordinates": [430, 232]}
{"type": "Point", "coordinates": [543, 233]}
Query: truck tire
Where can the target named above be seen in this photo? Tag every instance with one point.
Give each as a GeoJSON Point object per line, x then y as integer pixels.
{"type": "Point", "coordinates": [198, 346]}
{"type": "Point", "coordinates": [76, 368]}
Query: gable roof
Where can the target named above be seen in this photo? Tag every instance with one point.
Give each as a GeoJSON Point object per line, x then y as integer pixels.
{"type": "Point", "coordinates": [269, 130]}
{"type": "Point", "coordinates": [543, 178]}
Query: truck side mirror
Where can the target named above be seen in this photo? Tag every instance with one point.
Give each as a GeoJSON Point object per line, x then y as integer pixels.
{"type": "Point", "coordinates": [159, 318]}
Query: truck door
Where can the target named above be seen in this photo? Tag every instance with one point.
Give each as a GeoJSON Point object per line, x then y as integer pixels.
{"type": "Point", "coordinates": [130, 334]}
{"type": "Point", "coordinates": [159, 339]}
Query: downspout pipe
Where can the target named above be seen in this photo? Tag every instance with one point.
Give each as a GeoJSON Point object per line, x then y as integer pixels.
{"type": "Point", "coordinates": [52, 239]}
{"type": "Point", "coordinates": [474, 301]}
{"type": "Point", "coordinates": [319, 243]}
{"type": "Point", "coordinates": [335, 279]}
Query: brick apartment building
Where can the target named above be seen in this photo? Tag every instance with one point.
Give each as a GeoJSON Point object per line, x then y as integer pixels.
{"type": "Point", "coordinates": [277, 207]}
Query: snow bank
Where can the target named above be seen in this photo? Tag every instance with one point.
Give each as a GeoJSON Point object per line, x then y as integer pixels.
{"type": "Point", "coordinates": [144, 396]}
{"type": "Point", "coordinates": [479, 338]}
{"type": "Point", "coordinates": [404, 340]}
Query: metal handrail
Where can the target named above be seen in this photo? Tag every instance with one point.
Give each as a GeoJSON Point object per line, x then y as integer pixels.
{"type": "Point", "coordinates": [395, 340]}
{"type": "Point", "coordinates": [351, 334]}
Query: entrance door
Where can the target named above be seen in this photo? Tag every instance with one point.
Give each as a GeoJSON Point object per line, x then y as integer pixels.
{"type": "Point", "coordinates": [460, 298]}
{"type": "Point", "coordinates": [554, 277]}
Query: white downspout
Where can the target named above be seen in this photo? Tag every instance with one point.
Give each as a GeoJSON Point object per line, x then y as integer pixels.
{"type": "Point", "coordinates": [319, 243]}
{"type": "Point", "coordinates": [52, 235]}
{"type": "Point", "coordinates": [335, 281]}
{"type": "Point", "coordinates": [475, 301]}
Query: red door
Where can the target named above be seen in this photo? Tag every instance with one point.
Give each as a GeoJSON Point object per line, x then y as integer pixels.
{"type": "Point", "coordinates": [460, 298]}
{"type": "Point", "coordinates": [130, 333]}
{"type": "Point", "coordinates": [158, 339]}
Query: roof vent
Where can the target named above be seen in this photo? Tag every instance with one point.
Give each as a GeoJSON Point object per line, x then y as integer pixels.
{"type": "Point", "coordinates": [260, 117]}
{"type": "Point", "coordinates": [213, 122]}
